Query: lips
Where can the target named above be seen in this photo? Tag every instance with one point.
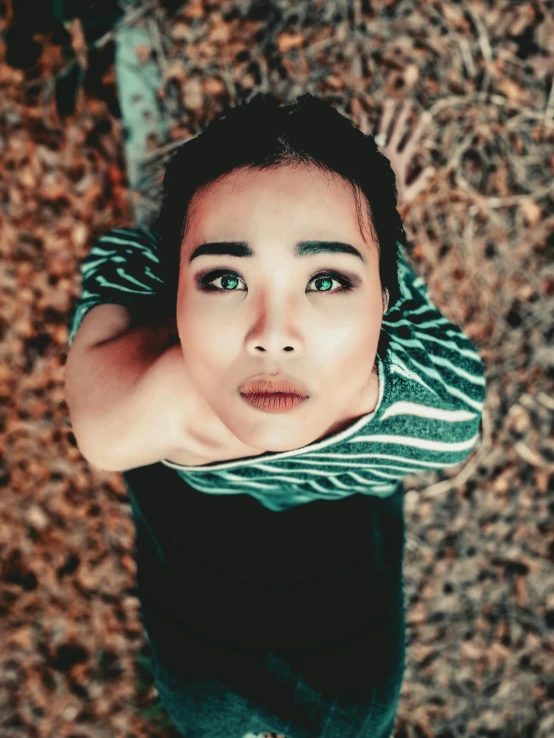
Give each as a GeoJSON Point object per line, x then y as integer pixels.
{"type": "Point", "coordinates": [278, 402]}
{"type": "Point", "coordinates": [272, 386]}
{"type": "Point", "coordinates": [273, 394]}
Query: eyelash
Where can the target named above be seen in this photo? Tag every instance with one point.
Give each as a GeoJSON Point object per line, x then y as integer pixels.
{"type": "Point", "coordinates": [204, 280]}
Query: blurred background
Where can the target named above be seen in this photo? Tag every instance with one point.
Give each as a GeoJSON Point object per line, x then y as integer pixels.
{"type": "Point", "coordinates": [94, 97]}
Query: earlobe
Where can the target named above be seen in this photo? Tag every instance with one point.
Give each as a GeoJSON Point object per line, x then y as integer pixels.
{"type": "Point", "coordinates": [386, 301]}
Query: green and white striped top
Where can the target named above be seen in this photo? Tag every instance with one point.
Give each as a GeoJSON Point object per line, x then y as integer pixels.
{"type": "Point", "coordinates": [431, 392]}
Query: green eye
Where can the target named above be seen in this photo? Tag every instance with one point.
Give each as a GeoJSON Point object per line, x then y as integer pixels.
{"type": "Point", "coordinates": [204, 282]}
{"type": "Point", "coordinates": [345, 283]}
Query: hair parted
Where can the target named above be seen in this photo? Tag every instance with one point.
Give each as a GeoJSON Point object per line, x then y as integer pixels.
{"type": "Point", "coordinates": [262, 134]}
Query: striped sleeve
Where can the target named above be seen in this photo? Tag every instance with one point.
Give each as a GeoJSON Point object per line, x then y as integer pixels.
{"type": "Point", "coordinates": [122, 267]}
{"type": "Point", "coordinates": [438, 368]}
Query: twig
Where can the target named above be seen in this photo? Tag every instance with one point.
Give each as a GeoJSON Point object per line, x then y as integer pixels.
{"type": "Point", "coordinates": [162, 150]}
{"type": "Point", "coordinates": [502, 202]}
{"type": "Point", "coordinates": [157, 44]}
{"type": "Point", "coordinates": [45, 97]}
{"type": "Point", "coordinates": [467, 56]}
{"type": "Point", "coordinates": [549, 110]}
{"type": "Point", "coordinates": [546, 400]}
{"type": "Point", "coordinates": [483, 43]}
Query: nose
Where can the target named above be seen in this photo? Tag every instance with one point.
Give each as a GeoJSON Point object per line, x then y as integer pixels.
{"type": "Point", "coordinates": [285, 348]}
{"type": "Point", "coordinates": [275, 327]}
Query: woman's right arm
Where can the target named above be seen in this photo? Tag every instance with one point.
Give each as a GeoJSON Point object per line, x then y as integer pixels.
{"type": "Point", "coordinates": [118, 404]}
{"type": "Point", "coordinates": [132, 401]}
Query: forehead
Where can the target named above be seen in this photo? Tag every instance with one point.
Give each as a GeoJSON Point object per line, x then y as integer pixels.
{"type": "Point", "coordinates": [301, 200]}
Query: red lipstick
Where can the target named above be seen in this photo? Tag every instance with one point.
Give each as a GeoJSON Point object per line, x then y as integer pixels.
{"type": "Point", "coordinates": [273, 394]}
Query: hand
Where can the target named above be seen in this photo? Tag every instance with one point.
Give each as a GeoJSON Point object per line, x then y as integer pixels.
{"type": "Point", "coordinates": [162, 333]}
{"type": "Point", "coordinates": [400, 159]}
{"type": "Point", "coordinates": [201, 437]}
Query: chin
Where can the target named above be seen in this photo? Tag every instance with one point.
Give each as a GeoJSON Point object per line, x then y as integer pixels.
{"type": "Point", "coordinates": [276, 446]}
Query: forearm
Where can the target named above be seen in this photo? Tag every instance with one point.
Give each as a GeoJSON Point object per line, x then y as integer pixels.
{"type": "Point", "coordinates": [122, 407]}
{"type": "Point", "coordinates": [151, 423]}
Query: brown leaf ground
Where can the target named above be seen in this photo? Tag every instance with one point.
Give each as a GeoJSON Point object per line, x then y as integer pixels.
{"type": "Point", "coordinates": [73, 657]}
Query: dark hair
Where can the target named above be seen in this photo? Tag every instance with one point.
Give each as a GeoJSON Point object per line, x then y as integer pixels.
{"type": "Point", "coordinates": [262, 134]}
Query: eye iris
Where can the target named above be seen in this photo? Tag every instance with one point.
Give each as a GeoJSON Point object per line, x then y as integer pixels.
{"type": "Point", "coordinates": [324, 279]}
{"type": "Point", "coordinates": [227, 277]}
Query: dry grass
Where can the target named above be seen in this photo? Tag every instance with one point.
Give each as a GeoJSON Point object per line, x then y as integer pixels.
{"type": "Point", "coordinates": [478, 565]}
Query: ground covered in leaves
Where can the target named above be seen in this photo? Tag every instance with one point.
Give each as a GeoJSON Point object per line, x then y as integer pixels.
{"type": "Point", "coordinates": [479, 583]}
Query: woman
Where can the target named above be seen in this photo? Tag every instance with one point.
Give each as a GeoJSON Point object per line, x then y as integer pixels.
{"type": "Point", "coordinates": [271, 581]}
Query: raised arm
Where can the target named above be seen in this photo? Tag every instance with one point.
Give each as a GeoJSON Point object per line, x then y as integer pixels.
{"type": "Point", "coordinates": [130, 397]}
{"type": "Point", "coordinates": [123, 411]}
{"type": "Point", "coordinates": [132, 401]}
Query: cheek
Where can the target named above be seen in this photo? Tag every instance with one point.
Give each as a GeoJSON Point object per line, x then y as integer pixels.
{"type": "Point", "coordinates": [353, 349]}
{"type": "Point", "coordinates": [353, 335]}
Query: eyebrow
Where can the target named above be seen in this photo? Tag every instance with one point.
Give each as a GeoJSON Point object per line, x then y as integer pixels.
{"type": "Point", "coordinates": [302, 248]}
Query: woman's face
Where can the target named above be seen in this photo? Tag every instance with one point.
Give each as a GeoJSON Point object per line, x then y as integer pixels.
{"type": "Point", "coordinates": [268, 315]}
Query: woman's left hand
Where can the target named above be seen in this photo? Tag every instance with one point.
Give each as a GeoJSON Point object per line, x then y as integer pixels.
{"type": "Point", "coordinates": [400, 159]}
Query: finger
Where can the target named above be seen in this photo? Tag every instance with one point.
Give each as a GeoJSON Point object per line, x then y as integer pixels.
{"type": "Point", "coordinates": [428, 174]}
{"type": "Point", "coordinates": [414, 137]}
{"type": "Point", "coordinates": [419, 184]}
{"type": "Point", "coordinates": [388, 112]}
{"type": "Point", "coordinates": [398, 130]}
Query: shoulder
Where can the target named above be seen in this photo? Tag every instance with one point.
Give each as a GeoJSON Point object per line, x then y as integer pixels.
{"type": "Point", "coordinates": [427, 351]}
